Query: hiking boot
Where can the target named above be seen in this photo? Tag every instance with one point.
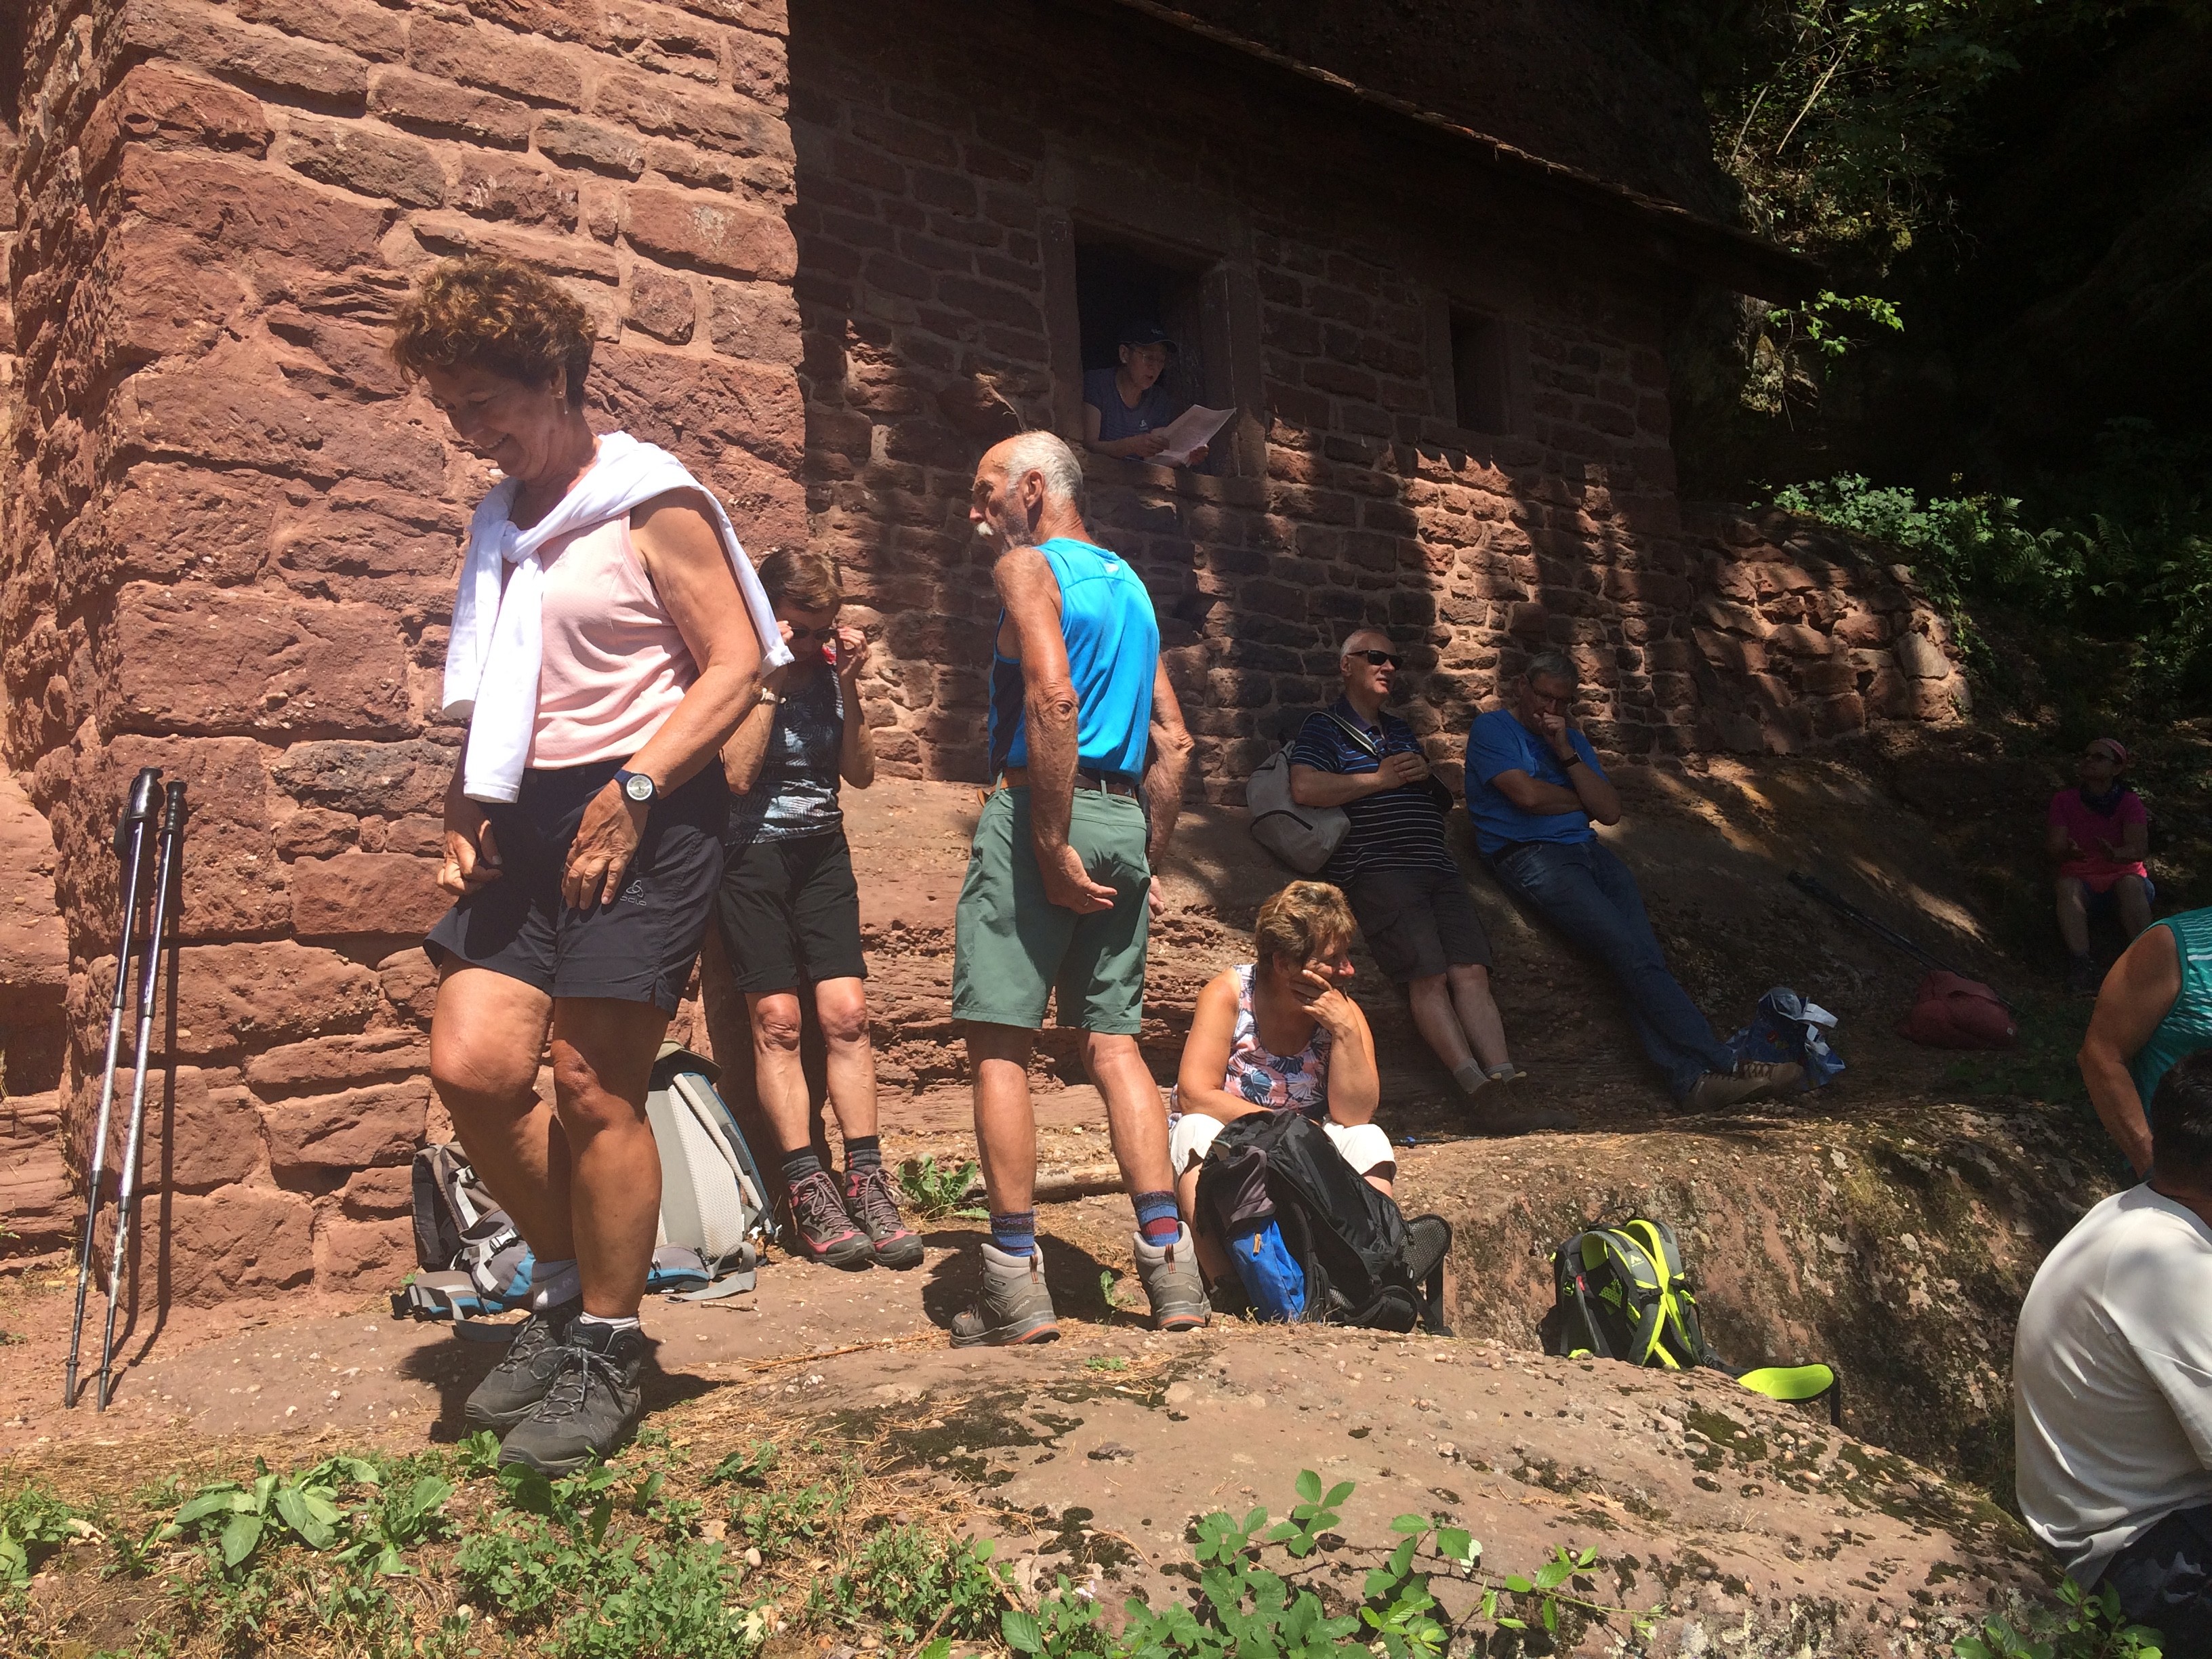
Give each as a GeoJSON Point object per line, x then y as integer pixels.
{"type": "Point", "coordinates": [1173, 1282]}
{"type": "Point", "coordinates": [1776, 1078]}
{"type": "Point", "coordinates": [1716, 1091]}
{"type": "Point", "coordinates": [1505, 1072]}
{"type": "Point", "coordinates": [820, 1230]}
{"type": "Point", "coordinates": [869, 1202]}
{"type": "Point", "coordinates": [518, 1381]}
{"type": "Point", "coordinates": [591, 1406]}
{"type": "Point", "coordinates": [1014, 1306]}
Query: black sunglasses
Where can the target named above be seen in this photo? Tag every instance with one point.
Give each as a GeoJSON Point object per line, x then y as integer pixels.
{"type": "Point", "coordinates": [808, 636]}
{"type": "Point", "coordinates": [1378, 658]}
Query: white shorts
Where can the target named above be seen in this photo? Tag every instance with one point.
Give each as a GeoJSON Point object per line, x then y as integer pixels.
{"type": "Point", "coordinates": [1362, 1146]}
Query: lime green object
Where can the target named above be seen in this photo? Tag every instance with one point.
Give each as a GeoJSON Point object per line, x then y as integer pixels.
{"type": "Point", "coordinates": [1623, 1292]}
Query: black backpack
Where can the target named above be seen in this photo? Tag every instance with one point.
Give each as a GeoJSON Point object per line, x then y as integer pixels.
{"type": "Point", "coordinates": [1364, 1264]}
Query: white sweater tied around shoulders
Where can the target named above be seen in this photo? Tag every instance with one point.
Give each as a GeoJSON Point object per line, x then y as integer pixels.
{"type": "Point", "coordinates": [497, 644]}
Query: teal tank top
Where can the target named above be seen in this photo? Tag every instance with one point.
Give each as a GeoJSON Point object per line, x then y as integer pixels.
{"type": "Point", "coordinates": [1113, 648]}
{"type": "Point", "coordinates": [2187, 1027]}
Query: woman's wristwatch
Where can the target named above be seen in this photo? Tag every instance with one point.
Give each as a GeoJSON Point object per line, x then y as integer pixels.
{"type": "Point", "coordinates": [769, 698]}
{"type": "Point", "coordinates": [637, 788]}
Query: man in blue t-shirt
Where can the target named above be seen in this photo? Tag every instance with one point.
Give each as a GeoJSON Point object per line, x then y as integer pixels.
{"type": "Point", "coordinates": [1087, 749]}
{"type": "Point", "coordinates": [1398, 872]}
{"type": "Point", "coordinates": [1534, 787]}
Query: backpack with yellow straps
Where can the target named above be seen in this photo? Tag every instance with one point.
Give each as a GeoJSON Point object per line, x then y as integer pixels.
{"type": "Point", "coordinates": [1622, 1292]}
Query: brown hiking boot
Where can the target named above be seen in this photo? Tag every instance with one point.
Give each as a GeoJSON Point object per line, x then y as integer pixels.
{"type": "Point", "coordinates": [1014, 1306]}
{"type": "Point", "coordinates": [1775, 1078]}
{"type": "Point", "coordinates": [1716, 1091]}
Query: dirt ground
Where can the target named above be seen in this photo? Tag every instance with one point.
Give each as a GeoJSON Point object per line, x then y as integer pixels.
{"type": "Point", "coordinates": [1888, 1223]}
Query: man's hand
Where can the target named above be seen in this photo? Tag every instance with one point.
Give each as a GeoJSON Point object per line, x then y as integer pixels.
{"type": "Point", "coordinates": [1068, 885]}
{"type": "Point", "coordinates": [1326, 1002]}
{"type": "Point", "coordinates": [1397, 770]}
{"type": "Point", "coordinates": [471, 859]}
{"type": "Point", "coordinates": [601, 852]}
{"type": "Point", "coordinates": [1555, 730]}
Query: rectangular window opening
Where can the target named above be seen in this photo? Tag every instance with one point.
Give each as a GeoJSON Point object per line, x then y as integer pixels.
{"type": "Point", "coordinates": [1120, 285]}
{"type": "Point", "coordinates": [1477, 357]}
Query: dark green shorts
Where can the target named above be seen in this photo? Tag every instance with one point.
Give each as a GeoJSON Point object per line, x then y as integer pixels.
{"type": "Point", "coordinates": [1014, 948]}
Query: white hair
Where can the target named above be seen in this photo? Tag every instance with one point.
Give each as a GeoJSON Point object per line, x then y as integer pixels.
{"type": "Point", "coordinates": [1344, 649]}
{"type": "Point", "coordinates": [1046, 455]}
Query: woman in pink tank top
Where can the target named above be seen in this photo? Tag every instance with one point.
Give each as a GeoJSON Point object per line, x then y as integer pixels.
{"type": "Point", "coordinates": [581, 892]}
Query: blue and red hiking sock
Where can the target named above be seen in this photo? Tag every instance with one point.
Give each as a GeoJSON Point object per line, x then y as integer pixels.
{"type": "Point", "coordinates": [1014, 1233]}
{"type": "Point", "coordinates": [1156, 1216]}
{"type": "Point", "coordinates": [863, 1151]}
{"type": "Point", "coordinates": [798, 1165]}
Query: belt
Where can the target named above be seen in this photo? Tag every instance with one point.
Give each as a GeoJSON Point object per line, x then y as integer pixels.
{"type": "Point", "coordinates": [1112, 783]}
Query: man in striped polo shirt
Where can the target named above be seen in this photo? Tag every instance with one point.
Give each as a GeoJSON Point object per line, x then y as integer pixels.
{"type": "Point", "coordinates": [1394, 866]}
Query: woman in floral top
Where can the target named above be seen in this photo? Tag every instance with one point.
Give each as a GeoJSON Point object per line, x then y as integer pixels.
{"type": "Point", "coordinates": [1280, 1035]}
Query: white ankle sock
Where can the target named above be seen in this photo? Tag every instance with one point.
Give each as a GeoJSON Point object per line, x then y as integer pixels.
{"type": "Point", "coordinates": [1469, 1075]}
{"type": "Point", "coordinates": [552, 1283]}
{"type": "Point", "coordinates": [630, 1323]}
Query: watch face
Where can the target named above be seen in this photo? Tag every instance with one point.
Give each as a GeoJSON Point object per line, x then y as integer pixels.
{"type": "Point", "coordinates": [638, 787]}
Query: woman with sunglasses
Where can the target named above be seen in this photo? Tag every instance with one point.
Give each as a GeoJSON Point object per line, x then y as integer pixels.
{"type": "Point", "coordinates": [2098, 833]}
{"type": "Point", "coordinates": [790, 913]}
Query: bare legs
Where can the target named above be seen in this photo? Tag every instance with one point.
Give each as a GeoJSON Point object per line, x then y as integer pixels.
{"type": "Point", "coordinates": [1006, 1126]}
{"type": "Point", "coordinates": [841, 1005]}
{"type": "Point", "coordinates": [2130, 894]}
{"type": "Point", "coordinates": [1456, 1017]}
{"type": "Point", "coordinates": [581, 1178]}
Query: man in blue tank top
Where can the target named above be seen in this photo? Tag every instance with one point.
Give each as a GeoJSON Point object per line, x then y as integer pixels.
{"type": "Point", "coordinates": [1088, 752]}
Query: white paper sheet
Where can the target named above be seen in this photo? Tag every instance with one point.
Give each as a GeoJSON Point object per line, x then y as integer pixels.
{"type": "Point", "coordinates": [1195, 426]}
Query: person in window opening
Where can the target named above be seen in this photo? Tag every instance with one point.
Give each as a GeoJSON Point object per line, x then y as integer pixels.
{"type": "Point", "coordinates": [790, 914]}
{"type": "Point", "coordinates": [1123, 408]}
{"type": "Point", "coordinates": [1534, 790]}
{"type": "Point", "coordinates": [2098, 833]}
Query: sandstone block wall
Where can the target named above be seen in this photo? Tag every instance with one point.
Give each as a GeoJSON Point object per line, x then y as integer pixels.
{"type": "Point", "coordinates": [948, 175]}
{"type": "Point", "coordinates": [230, 531]}
{"type": "Point", "coordinates": [828, 259]}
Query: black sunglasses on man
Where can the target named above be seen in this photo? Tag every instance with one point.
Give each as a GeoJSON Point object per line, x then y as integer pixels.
{"type": "Point", "coordinates": [1377, 658]}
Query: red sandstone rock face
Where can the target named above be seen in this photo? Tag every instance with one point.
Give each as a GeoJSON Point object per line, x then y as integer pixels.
{"type": "Point", "coordinates": [230, 529]}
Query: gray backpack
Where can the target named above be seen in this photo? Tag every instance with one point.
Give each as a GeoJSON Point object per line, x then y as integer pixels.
{"type": "Point", "coordinates": [712, 1199]}
{"type": "Point", "coordinates": [1303, 837]}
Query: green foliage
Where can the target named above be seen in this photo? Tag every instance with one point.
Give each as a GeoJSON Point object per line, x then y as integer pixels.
{"type": "Point", "coordinates": [933, 1192]}
{"type": "Point", "coordinates": [478, 1455]}
{"type": "Point", "coordinates": [750, 1467]}
{"type": "Point", "coordinates": [2120, 552]}
{"type": "Point", "coordinates": [1066, 1625]}
{"type": "Point", "coordinates": [239, 1518]}
{"type": "Point", "coordinates": [906, 1581]}
{"type": "Point", "coordinates": [34, 1524]}
{"type": "Point", "coordinates": [2083, 1627]}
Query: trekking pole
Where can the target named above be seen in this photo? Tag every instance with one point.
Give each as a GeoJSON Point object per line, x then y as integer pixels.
{"type": "Point", "coordinates": [1812, 887]}
{"type": "Point", "coordinates": [133, 831]}
{"type": "Point", "coordinates": [166, 877]}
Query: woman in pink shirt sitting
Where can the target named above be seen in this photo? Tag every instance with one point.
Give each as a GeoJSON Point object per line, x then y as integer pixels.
{"type": "Point", "coordinates": [2098, 833]}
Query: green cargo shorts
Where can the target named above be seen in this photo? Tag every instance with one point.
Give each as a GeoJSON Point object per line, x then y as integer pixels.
{"type": "Point", "coordinates": [1014, 948]}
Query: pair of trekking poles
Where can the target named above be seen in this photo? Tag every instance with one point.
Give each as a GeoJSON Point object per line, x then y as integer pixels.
{"type": "Point", "coordinates": [142, 849]}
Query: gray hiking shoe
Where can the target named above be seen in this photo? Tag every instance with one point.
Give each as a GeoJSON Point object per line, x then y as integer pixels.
{"type": "Point", "coordinates": [1174, 1283]}
{"type": "Point", "coordinates": [518, 1381]}
{"type": "Point", "coordinates": [1775, 1078]}
{"type": "Point", "coordinates": [1013, 1307]}
{"type": "Point", "coordinates": [869, 1201]}
{"type": "Point", "coordinates": [591, 1406]}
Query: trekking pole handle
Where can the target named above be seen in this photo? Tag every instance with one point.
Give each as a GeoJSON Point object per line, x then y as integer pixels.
{"type": "Point", "coordinates": [138, 808]}
{"type": "Point", "coordinates": [168, 876]}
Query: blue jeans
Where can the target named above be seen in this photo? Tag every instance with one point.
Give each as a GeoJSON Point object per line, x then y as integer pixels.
{"type": "Point", "coordinates": [1587, 894]}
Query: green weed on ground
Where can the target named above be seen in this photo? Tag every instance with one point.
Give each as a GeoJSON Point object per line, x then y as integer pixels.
{"type": "Point", "coordinates": [445, 1555]}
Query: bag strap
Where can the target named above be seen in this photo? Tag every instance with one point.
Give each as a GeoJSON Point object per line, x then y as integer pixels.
{"type": "Point", "coordinates": [1352, 731]}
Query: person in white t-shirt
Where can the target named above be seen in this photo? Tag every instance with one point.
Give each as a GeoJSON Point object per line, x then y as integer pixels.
{"type": "Point", "coordinates": [2112, 1382]}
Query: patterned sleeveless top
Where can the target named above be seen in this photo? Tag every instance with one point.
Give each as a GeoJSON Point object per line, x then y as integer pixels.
{"type": "Point", "coordinates": [1297, 1082]}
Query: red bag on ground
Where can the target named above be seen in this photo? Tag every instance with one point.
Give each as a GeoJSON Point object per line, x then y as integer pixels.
{"type": "Point", "coordinates": [1949, 1012]}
